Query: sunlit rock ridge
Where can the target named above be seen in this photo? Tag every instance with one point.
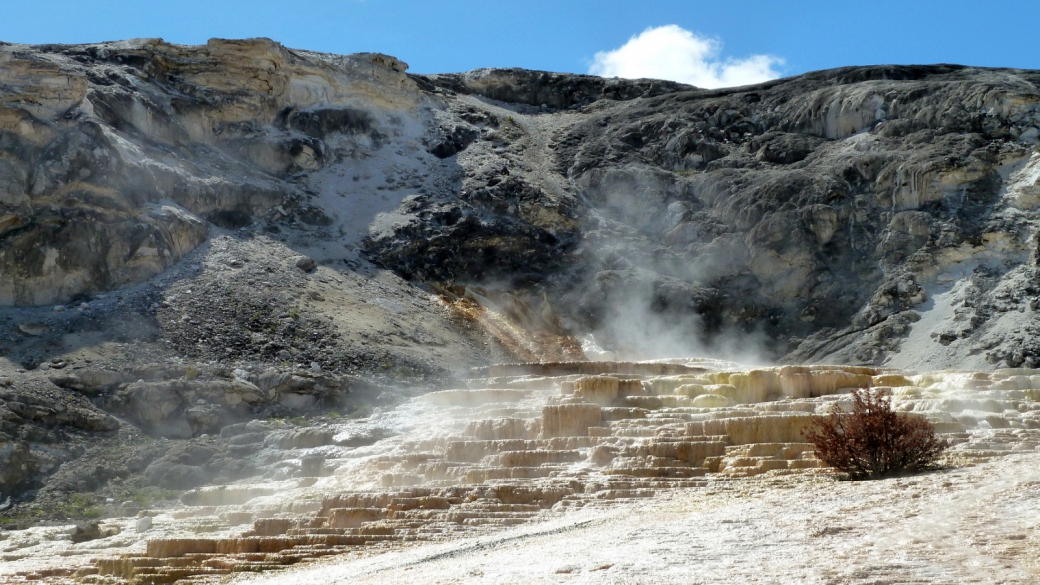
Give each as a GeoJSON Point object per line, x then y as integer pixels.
{"type": "Point", "coordinates": [836, 215]}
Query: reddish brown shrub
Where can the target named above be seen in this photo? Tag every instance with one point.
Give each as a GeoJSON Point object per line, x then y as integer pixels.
{"type": "Point", "coordinates": [873, 440]}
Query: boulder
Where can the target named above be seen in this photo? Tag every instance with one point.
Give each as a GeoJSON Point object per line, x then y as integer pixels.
{"type": "Point", "coordinates": [153, 402]}
{"type": "Point", "coordinates": [299, 438]}
{"type": "Point", "coordinates": [181, 467]}
{"type": "Point", "coordinates": [86, 531]}
{"type": "Point", "coordinates": [18, 467]}
{"type": "Point", "coordinates": [143, 524]}
{"type": "Point", "coordinates": [206, 418]}
{"type": "Point", "coordinates": [89, 381]}
{"type": "Point", "coordinates": [306, 263]}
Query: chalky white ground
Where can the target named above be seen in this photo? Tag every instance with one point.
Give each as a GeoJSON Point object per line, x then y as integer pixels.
{"type": "Point", "coordinates": [553, 475]}
{"type": "Point", "coordinates": [975, 525]}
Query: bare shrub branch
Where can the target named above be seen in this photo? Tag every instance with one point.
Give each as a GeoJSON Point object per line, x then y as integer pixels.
{"type": "Point", "coordinates": [874, 441]}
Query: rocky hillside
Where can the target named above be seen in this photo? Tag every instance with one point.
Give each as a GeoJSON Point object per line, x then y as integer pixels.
{"type": "Point", "coordinates": [837, 216]}
{"type": "Point", "coordinates": [812, 218]}
{"type": "Point", "coordinates": [198, 236]}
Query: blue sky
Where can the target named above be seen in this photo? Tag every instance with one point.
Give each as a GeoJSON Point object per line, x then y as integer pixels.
{"type": "Point", "coordinates": [562, 35]}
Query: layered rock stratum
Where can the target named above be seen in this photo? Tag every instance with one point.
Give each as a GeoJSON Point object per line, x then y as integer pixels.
{"type": "Point", "coordinates": [210, 255]}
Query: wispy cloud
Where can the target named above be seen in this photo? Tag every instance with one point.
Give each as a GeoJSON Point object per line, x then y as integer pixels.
{"type": "Point", "coordinates": [674, 53]}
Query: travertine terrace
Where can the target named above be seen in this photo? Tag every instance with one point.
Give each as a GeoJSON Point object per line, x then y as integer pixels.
{"type": "Point", "coordinates": [522, 444]}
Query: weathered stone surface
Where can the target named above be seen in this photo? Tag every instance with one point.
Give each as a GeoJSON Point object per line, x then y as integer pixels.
{"type": "Point", "coordinates": [17, 466]}
{"type": "Point", "coordinates": [89, 381]}
{"type": "Point", "coordinates": [176, 402]}
{"type": "Point", "coordinates": [143, 524]}
{"type": "Point", "coordinates": [110, 179]}
{"type": "Point", "coordinates": [306, 263]}
{"type": "Point", "coordinates": [182, 467]}
{"type": "Point", "coordinates": [299, 439]}
{"type": "Point", "coordinates": [813, 217]}
{"type": "Point", "coordinates": [85, 532]}
{"type": "Point", "coordinates": [817, 208]}
{"type": "Point", "coordinates": [552, 89]}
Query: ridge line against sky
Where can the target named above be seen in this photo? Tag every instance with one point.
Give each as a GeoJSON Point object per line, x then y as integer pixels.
{"type": "Point", "coordinates": [709, 44]}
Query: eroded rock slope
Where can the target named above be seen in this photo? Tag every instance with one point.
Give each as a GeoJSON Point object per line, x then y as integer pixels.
{"type": "Point", "coordinates": [825, 212]}
{"type": "Point", "coordinates": [117, 157]}
{"type": "Point", "coordinates": [821, 213]}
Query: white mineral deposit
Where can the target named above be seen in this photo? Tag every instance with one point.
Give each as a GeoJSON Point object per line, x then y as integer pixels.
{"type": "Point", "coordinates": [548, 475]}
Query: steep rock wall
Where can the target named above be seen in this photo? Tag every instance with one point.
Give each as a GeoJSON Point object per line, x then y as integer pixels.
{"type": "Point", "coordinates": [827, 206]}
{"type": "Point", "coordinates": [817, 217]}
{"type": "Point", "coordinates": [112, 156]}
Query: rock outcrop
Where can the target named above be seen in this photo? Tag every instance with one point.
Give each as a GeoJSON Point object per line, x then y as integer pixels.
{"type": "Point", "coordinates": [551, 90]}
{"type": "Point", "coordinates": [828, 206]}
{"type": "Point", "coordinates": [813, 217]}
{"type": "Point", "coordinates": [35, 425]}
{"type": "Point", "coordinates": [183, 402]}
{"type": "Point", "coordinates": [819, 213]}
{"type": "Point", "coordinates": [115, 156]}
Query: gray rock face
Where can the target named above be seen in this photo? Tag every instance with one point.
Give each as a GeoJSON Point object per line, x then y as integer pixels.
{"type": "Point", "coordinates": [178, 402]}
{"type": "Point", "coordinates": [810, 218]}
{"type": "Point", "coordinates": [851, 190]}
{"type": "Point", "coordinates": [113, 156]}
{"type": "Point", "coordinates": [828, 207]}
{"type": "Point", "coordinates": [34, 426]}
{"type": "Point", "coordinates": [18, 467]}
{"type": "Point", "coordinates": [554, 90]}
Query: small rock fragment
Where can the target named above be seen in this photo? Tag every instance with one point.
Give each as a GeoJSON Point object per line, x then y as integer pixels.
{"type": "Point", "coordinates": [33, 329]}
{"type": "Point", "coordinates": [306, 263]}
{"type": "Point", "coordinates": [86, 531]}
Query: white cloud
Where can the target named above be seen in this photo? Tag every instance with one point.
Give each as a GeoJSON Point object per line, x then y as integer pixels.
{"type": "Point", "coordinates": [674, 53]}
